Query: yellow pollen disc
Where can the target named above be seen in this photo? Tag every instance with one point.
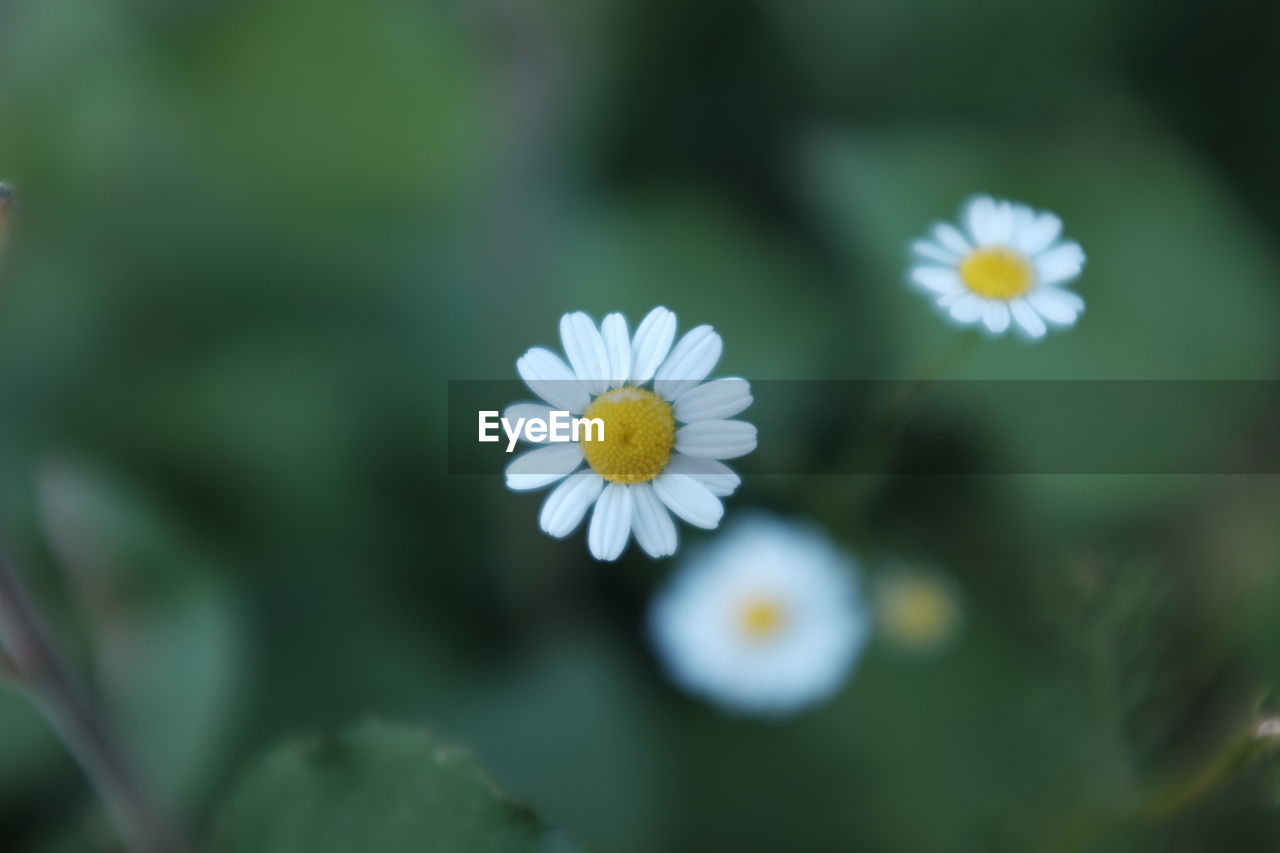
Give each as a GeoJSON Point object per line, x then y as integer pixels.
{"type": "Point", "coordinates": [761, 618]}
{"type": "Point", "coordinates": [996, 273]}
{"type": "Point", "coordinates": [639, 432]}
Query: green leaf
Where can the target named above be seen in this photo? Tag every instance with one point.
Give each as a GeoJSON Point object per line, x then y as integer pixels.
{"type": "Point", "coordinates": [163, 624]}
{"type": "Point", "coordinates": [34, 759]}
{"type": "Point", "coordinates": [1025, 54]}
{"type": "Point", "coordinates": [576, 710]}
{"type": "Point", "coordinates": [379, 787]}
{"type": "Point", "coordinates": [1179, 286]}
{"type": "Point", "coordinates": [338, 107]}
{"type": "Point", "coordinates": [684, 251]}
{"type": "Point", "coordinates": [1178, 283]}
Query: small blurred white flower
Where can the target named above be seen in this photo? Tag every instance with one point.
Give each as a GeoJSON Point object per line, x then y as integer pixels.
{"type": "Point", "coordinates": [1008, 263]}
{"type": "Point", "coordinates": [646, 467]}
{"type": "Point", "coordinates": [917, 611]}
{"type": "Point", "coordinates": [767, 619]}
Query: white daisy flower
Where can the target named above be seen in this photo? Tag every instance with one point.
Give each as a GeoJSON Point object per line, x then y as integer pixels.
{"type": "Point", "coordinates": [766, 620]}
{"type": "Point", "coordinates": [647, 466]}
{"type": "Point", "coordinates": [1006, 262]}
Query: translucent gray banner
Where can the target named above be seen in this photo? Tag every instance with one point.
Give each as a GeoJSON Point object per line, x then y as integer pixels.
{"type": "Point", "coordinates": [824, 427]}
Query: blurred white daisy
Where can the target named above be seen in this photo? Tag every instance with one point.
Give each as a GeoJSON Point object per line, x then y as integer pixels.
{"type": "Point", "coordinates": [767, 619]}
{"type": "Point", "coordinates": [1006, 263]}
{"type": "Point", "coordinates": [648, 465]}
{"type": "Point", "coordinates": [917, 611]}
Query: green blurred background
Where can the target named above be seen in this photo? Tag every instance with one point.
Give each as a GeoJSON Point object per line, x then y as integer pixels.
{"type": "Point", "coordinates": [254, 240]}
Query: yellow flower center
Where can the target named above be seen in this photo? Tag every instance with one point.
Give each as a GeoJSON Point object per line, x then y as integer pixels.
{"type": "Point", "coordinates": [639, 432]}
{"type": "Point", "coordinates": [761, 618]}
{"type": "Point", "coordinates": [996, 273]}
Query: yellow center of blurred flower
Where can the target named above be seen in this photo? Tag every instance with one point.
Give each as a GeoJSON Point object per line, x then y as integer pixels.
{"type": "Point", "coordinates": [996, 273]}
{"type": "Point", "coordinates": [918, 612]}
{"type": "Point", "coordinates": [761, 618]}
{"type": "Point", "coordinates": [639, 432]}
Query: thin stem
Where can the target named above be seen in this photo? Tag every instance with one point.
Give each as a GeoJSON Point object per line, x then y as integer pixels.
{"type": "Point", "coordinates": [1082, 832]}
{"type": "Point", "coordinates": [1262, 736]}
{"type": "Point", "coordinates": [903, 402]}
{"type": "Point", "coordinates": [31, 659]}
{"type": "Point", "coordinates": [870, 460]}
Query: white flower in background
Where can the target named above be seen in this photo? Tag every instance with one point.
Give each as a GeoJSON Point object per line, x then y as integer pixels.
{"type": "Point", "coordinates": [917, 611]}
{"type": "Point", "coordinates": [767, 619]}
{"type": "Point", "coordinates": [647, 466]}
{"type": "Point", "coordinates": [1007, 262]}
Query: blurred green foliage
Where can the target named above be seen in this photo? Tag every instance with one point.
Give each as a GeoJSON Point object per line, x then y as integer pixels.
{"type": "Point", "coordinates": [377, 788]}
{"type": "Point", "coordinates": [253, 240]}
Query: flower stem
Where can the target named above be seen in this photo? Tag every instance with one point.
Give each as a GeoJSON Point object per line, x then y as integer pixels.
{"type": "Point", "coordinates": [1261, 737]}
{"type": "Point", "coordinates": [30, 659]}
{"type": "Point", "coordinates": [870, 461]}
{"type": "Point", "coordinates": [1080, 832]}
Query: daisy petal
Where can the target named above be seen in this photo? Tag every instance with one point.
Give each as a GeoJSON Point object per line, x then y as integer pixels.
{"type": "Point", "coordinates": [934, 252]}
{"type": "Point", "coordinates": [689, 363]}
{"type": "Point", "coordinates": [586, 351]}
{"type": "Point", "coordinates": [1059, 307]}
{"type": "Point", "coordinates": [980, 217]}
{"type": "Point", "coordinates": [568, 502]}
{"type": "Point", "coordinates": [543, 466]}
{"type": "Point", "coordinates": [716, 439]}
{"type": "Point", "coordinates": [1023, 218]}
{"type": "Point", "coordinates": [1027, 318]}
{"type": "Point", "coordinates": [718, 477]}
{"type": "Point", "coordinates": [689, 499]}
{"type": "Point", "coordinates": [1060, 263]}
{"type": "Point", "coordinates": [996, 316]}
{"type": "Point", "coordinates": [651, 344]}
{"type": "Point", "coordinates": [719, 398]}
{"type": "Point", "coordinates": [618, 344]}
{"type": "Point", "coordinates": [1068, 297]}
{"type": "Point", "coordinates": [942, 280]}
{"type": "Point", "coordinates": [1038, 235]}
{"type": "Point", "coordinates": [951, 238]}
{"type": "Point", "coordinates": [550, 378]}
{"type": "Point", "coordinates": [610, 523]}
{"type": "Point", "coordinates": [1002, 223]}
{"type": "Point", "coordinates": [651, 523]}
{"type": "Point", "coordinates": [968, 309]}
{"type": "Point", "coordinates": [527, 411]}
